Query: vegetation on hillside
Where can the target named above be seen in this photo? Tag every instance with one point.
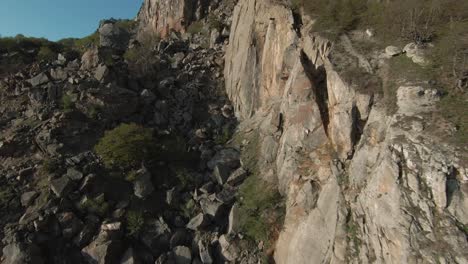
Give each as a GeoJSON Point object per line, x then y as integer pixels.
{"type": "Point", "coordinates": [125, 146]}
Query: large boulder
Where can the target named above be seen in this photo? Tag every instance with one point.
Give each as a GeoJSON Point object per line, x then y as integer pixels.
{"type": "Point", "coordinates": [113, 36]}
{"type": "Point", "coordinates": [39, 79]}
{"type": "Point", "coordinates": [18, 253]}
{"type": "Point", "coordinates": [143, 187]}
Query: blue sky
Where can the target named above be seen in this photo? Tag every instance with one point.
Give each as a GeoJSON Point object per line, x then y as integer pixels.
{"type": "Point", "coordinates": [57, 19]}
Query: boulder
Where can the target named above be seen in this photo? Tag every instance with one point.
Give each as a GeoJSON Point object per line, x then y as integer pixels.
{"type": "Point", "coordinates": [182, 255]}
{"type": "Point", "coordinates": [129, 257]}
{"type": "Point", "coordinates": [18, 253]}
{"type": "Point", "coordinates": [142, 186]}
{"type": "Point", "coordinates": [28, 197]}
{"type": "Point", "coordinates": [156, 236]}
{"type": "Point", "coordinates": [181, 237]}
{"type": "Point", "coordinates": [204, 252]}
{"type": "Point", "coordinates": [74, 175]}
{"type": "Point", "coordinates": [237, 177]}
{"type": "Point", "coordinates": [392, 51]}
{"type": "Point", "coordinates": [90, 59]}
{"type": "Point", "coordinates": [416, 53]}
{"type": "Point", "coordinates": [70, 224]}
{"type": "Point", "coordinates": [61, 186]}
{"type": "Point", "coordinates": [221, 173]}
{"type": "Point", "coordinates": [39, 79]}
{"type": "Point", "coordinates": [198, 222]}
{"type": "Point", "coordinates": [234, 217]}
{"type": "Point", "coordinates": [113, 36]}
{"type": "Point", "coordinates": [227, 249]}
{"type": "Point", "coordinates": [103, 252]}
{"type": "Point", "coordinates": [101, 73]}
{"type": "Point", "coordinates": [228, 157]}
{"type": "Point", "coordinates": [211, 208]}
{"type": "Point", "coordinates": [58, 74]}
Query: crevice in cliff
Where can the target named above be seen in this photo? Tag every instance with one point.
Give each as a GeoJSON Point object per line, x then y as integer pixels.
{"type": "Point", "coordinates": [297, 22]}
{"type": "Point", "coordinates": [451, 185]}
{"type": "Point", "coordinates": [318, 78]}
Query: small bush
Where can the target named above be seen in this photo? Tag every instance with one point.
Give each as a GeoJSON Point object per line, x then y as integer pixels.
{"type": "Point", "coordinates": [214, 22]}
{"type": "Point", "coordinates": [224, 137]}
{"type": "Point", "coordinates": [140, 58]}
{"type": "Point", "coordinates": [97, 205]}
{"type": "Point", "coordinates": [261, 210]}
{"type": "Point", "coordinates": [46, 54]}
{"type": "Point", "coordinates": [195, 27]}
{"type": "Point", "coordinates": [125, 146]}
{"type": "Point", "coordinates": [67, 102]}
{"type": "Point", "coordinates": [135, 222]}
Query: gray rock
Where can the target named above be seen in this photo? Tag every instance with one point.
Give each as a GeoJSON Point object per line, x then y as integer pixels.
{"type": "Point", "coordinates": [237, 177]}
{"type": "Point", "coordinates": [221, 173]}
{"type": "Point", "coordinates": [182, 255]}
{"type": "Point", "coordinates": [105, 252]}
{"type": "Point", "coordinates": [129, 257]}
{"type": "Point", "coordinates": [39, 79]}
{"type": "Point", "coordinates": [228, 157]}
{"type": "Point", "coordinates": [70, 224]}
{"type": "Point", "coordinates": [171, 196]}
{"type": "Point", "coordinates": [392, 51]}
{"type": "Point", "coordinates": [74, 175]}
{"type": "Point", "coordinates": [212, 208]}
{"type": "Point", "coordinates": [204, 252]}
{"type": "Point", "coordinates": [228, 250]}
{"type": "Point", "coordinates": [143, 187]}
{"type": "Point", "coordinates": [101, 72]}
{"type": "Point", "coordinates": [233, 227]}
{"type": "Point", "coordinates": [58, 74]}
{"type": "Point", "coordinates": [181, 237]}
{"type": "Point", "coordinates": [198, 222]}
{"type": "Point", "coordinates": [61, 186]}
{"type": "Point", "coordinates": [17, 253]}
{"type": "Point", "coordinates": [28, 197]}
{"type": "Point", "coordinates": [156, 236]}
{"type": "Point", "coordinates": [227, 195]}
{"type": "Point", "coordinates": [112, 36]}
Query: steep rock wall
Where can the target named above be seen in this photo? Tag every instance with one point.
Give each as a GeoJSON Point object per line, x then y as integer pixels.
{"type": "Point", "coordinates": [361, 186]}
{"type": "Point", "coordinates": [162, 16]}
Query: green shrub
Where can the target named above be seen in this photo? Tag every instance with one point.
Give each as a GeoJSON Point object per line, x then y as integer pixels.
{"type": "Point", "coordinates": [135, 222]}
{"type": "Point", "coordinates": [127, 24]}
{"type": "Point", "coordinates": [195, 27]}
{"type": "Point", "coordinates": [96, 205]}
{"type": "Point", "coordinates": [67, 102]}
{"type": "Point", "coordinates": [140, 58]}
{"type": "Point", "coordinates": [224, 137]}
{"type": "Point", "coordinates": [261, 210]}
{"type": "Point", "coordinates": [125, 146]}
{"type": "Point", "coordinates": [214, 22]}
{"type": "Point", "coordinates": [46, 54]}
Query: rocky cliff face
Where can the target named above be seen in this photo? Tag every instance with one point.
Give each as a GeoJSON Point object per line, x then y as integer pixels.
{"type": "Point", "coordinates": [161, 17]}
{"type": "Point", "coordinates": [362, 185]}
{"type": "Point", "coordinates": [366, 172]}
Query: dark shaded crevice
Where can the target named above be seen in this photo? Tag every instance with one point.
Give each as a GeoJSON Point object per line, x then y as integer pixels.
{"type": "Point", "coordinates": [318, 78]}
{"type": "Point", "coordinates": [359, 124]}
{"type": "Point", "coordinates": [297, 23]}
{"type": "Point", "coordinates": [451, 185]}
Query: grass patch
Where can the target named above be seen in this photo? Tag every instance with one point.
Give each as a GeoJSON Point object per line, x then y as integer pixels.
{"type": "Point", "coordinates": [455, 108]}
{"type": "Point", "coordinates": [68, 103]}
{"type": "Point", "coordinates": [135, 222]}
{"type": "Point", "coordinates": [261, 210]}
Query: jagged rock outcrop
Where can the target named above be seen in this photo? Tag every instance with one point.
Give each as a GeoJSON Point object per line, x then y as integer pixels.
{"type": "Point", "coordinates": [160, 17]}
{"type": "Point", "coordinates": [362, 185]}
